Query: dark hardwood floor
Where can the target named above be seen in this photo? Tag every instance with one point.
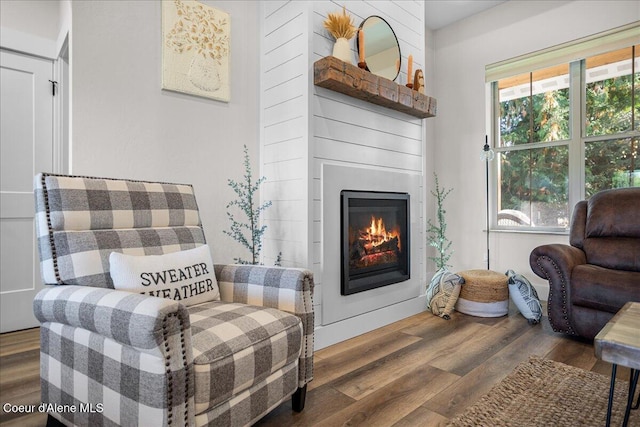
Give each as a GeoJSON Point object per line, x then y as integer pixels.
{"type": "Point", "coordinates": [420, 371]}
{"type": "Point", "coordinates": [20, 376]}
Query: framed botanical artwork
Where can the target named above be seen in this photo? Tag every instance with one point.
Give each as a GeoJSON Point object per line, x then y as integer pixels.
{"type": "Point", "coordinates": [195, 49]}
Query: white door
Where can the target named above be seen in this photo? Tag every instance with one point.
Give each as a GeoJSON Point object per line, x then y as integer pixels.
{"type": "Point", "coordinates": [26, 140]}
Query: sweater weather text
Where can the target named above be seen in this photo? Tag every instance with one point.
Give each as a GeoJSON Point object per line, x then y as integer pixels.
{"type": "Point", "coordinates": [175, 275]}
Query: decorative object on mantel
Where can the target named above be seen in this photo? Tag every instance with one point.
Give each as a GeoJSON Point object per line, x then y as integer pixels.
{"type": "Point", "coordinates": [342, 29]}
{"type": "Point", "coordinates": [380, 43]}
{"type": "Point", "coordinates": [195, 49]}
{"type": "Point", "coordinates": [418, 81]}
{"type": "Point", "coordinates": [486, 155]}
{"type": "Point", "coordinates": [362, 63]}
{"type": "Point", "coordinates": [247, 195]}
{"type": "Point", "coordinates": [337, 75]}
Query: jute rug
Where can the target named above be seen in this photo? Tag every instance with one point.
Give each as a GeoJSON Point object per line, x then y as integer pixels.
{"type": "Point", "coordinates": [542, 392]}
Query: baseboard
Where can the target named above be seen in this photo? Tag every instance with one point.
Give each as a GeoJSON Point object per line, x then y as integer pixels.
{"type": "Point", "coordinates": [358, 325]}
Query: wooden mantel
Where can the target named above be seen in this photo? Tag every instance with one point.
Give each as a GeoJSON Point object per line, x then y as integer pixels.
{"type": "Point", "coordinates": [339, 76]}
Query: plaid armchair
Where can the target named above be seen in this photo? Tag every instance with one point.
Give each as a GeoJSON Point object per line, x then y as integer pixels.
{"type": "Point", "coordinates": [112, 357]}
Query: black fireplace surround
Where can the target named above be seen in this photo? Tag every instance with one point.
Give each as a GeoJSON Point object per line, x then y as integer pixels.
{"type": "Point", "coordinates": [375, 241]}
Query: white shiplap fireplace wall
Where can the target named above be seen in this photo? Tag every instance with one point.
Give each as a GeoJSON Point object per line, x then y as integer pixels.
{"type": "Point", "coordinates": [308, 132]}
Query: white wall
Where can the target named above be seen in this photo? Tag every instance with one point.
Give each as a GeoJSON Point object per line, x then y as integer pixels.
{"type": "Point", "coordinates": [430, 145]}
{"type": "Point", "coordinates": [463, 50]}
{"type": "Point", "coordinates": [37, 27]}
{"type": "Point", "coordinates": [284, 127]}
{"type": "Point", "coordinates": [125, 126]}
{"type": "Point", "coordinates": [40, 18]}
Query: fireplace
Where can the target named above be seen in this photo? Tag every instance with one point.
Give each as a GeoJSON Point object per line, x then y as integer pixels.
{"type": "Point", "coordinates": [375, 243]}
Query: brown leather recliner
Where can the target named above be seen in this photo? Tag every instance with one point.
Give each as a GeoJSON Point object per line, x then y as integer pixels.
{"type": "Point", "coordinates": [591, 280]}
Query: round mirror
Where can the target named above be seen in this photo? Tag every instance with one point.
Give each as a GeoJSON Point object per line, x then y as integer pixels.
{"type": "Point", "coordinates": [381, 48]}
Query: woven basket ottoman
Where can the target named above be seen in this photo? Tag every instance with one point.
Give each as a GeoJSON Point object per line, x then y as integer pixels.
{"type": "Point", "coordinates": [485, 293]}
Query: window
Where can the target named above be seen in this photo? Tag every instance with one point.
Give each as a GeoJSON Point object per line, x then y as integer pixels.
{"type": "Point", "coordinates": [612, 113]}
{"type": "Point", "coordinates": [562, 133]}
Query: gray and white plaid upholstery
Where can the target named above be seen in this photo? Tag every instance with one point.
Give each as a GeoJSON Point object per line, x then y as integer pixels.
{"type": "Point", "coordinates": [101, 346]}
{"type": "Point", "coordinates": [236, 346]}
{"type": "Point", "coordinates": [146, 358]}
{"type": "Point", "coordinates": [286, 289]}
{"type": "Point", "coordinates": [250, 405]}
{"type": "Point", "coordinates": [81, 220]}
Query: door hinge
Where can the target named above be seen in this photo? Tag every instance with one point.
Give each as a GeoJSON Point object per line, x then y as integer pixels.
{"type": "Point", "coordinates": [54, 84]}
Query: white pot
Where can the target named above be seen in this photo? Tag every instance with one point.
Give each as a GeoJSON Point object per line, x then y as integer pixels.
{"type": "Point", "coordinates": [342, 51]}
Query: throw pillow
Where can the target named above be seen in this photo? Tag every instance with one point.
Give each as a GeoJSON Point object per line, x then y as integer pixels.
{"type": "Point", "coordinates": [184, 276]}
{"type": "Point", "coordinates": [525, 297]}
{"type": "Point", "coordinates": [442, 292]}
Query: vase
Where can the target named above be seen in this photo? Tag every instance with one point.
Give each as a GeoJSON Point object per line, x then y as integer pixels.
{"type": "Point", "coordinates": [342, 51]}
{"type": "Point", "coordinates": [204, 74]}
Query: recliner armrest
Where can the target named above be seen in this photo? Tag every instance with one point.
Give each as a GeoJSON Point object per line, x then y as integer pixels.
{"type": "Point", "coordinates": [153, 364]}
{"type": "Point", "coordinates": [287, 289]}
{"type": "Point", "coordinates": [274, 287]}
{"type": "Point", "coordinates": [554, 263]}
{"type": "Point", "coordinates": [555, 260]}
{"type": "Point", "coordinates": [136, 320]}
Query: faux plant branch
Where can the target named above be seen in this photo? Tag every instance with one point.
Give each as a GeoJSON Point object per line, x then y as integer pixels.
{"type": "Point", "coordinates": [249, 234]}
{"type": "Point", "coordinates": [246, 191]}
{"type": "Point", "coordinates": [437, 233]}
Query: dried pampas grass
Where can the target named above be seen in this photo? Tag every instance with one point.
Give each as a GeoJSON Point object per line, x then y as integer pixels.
{"type": "Point", "coordinates": [340, 25]}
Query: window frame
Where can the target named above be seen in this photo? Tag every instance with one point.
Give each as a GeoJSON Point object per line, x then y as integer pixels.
{"type": "Point", "coordinates": [573, 53]}
{"type": "Point", "coordinates": [571, 143]}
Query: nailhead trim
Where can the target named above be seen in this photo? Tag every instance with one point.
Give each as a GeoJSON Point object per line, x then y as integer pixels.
{"type": "Point", "coordinates": [54, 257]}
{"type": "Point", "coordinates": [307, 311]}
{"type": "Point", "coordinates": [114, 179]}
{"type": "Point", "coordinates": [186, 370]}
{"type": "Point", "coordinates": [165, 335]}
{"type": "Point", "coordinates": [563, 291]}
{"type": "Point", "coordinates": [169, 372]}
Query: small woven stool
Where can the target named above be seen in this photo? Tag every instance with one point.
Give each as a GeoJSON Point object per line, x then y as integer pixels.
{"type": "Point", "coordinates": [485, 293]}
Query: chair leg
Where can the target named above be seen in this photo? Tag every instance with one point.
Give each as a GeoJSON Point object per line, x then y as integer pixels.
{"type": "Point", "coordinates": [53, 422]}
{"type": "Point", "coordinates": [298, 398]}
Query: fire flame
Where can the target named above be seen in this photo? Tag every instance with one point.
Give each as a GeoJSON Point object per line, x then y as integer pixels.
{"type": "Point", "coordinates": [377, 233]}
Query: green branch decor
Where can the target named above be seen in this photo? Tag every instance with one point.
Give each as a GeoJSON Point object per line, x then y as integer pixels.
{"type": "Point", "coordinates": [249, 233]}
{"type": "Point", "coordinates": [437, 233]}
